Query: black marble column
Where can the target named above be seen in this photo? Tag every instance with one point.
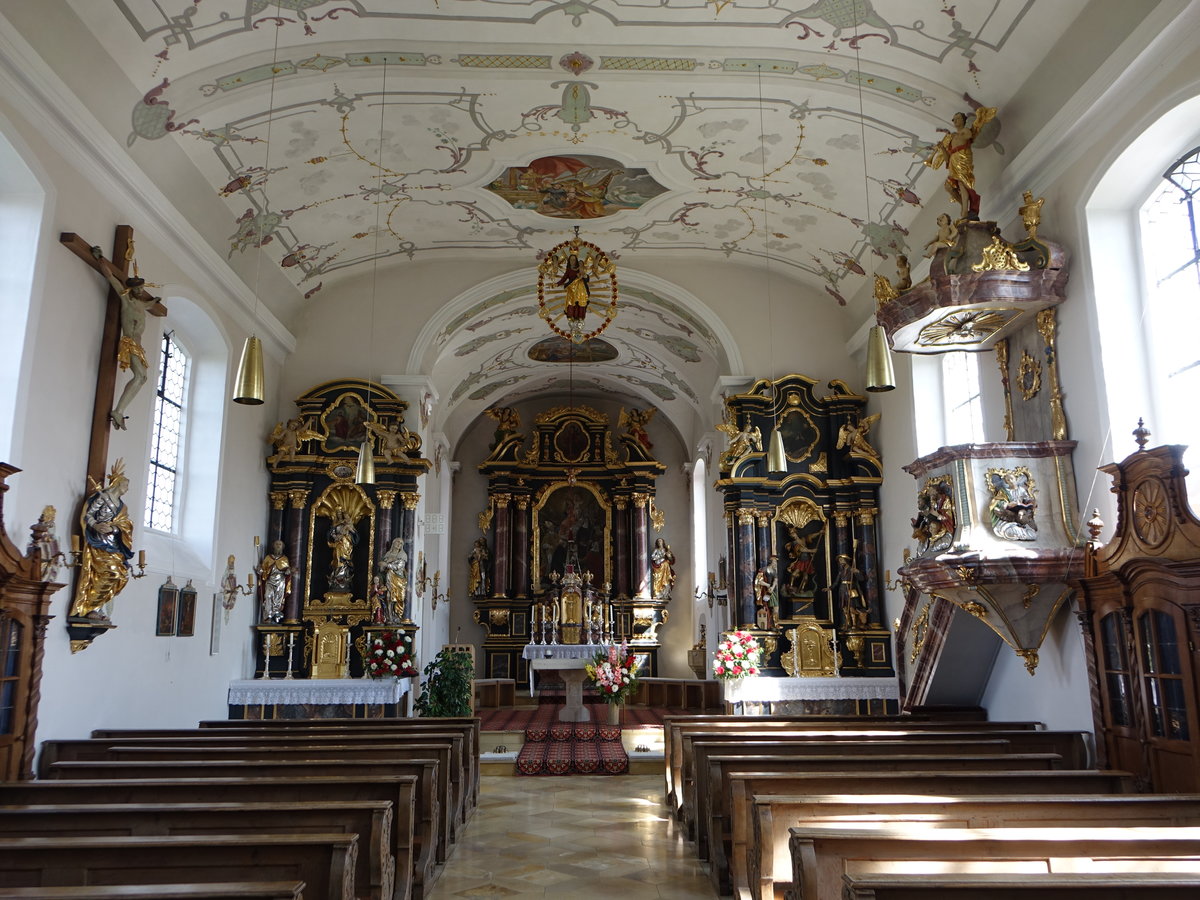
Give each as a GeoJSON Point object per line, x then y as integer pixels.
{"type": "Point", "coordinates": [297, 553]}
{"type": "Point", "coordinates": [520, 547]}
{"type": "Point", "coordinates": [621, 540]}
{"type": "Point", "coordinates": [384, 522]}
{"type": "Point", "coordinates": [641, 544]}
{"type": "Point", "coordinates": [763, 538]}
{"type": "Point", "coordinates": [746, 566]}
{"type": "Point", "coordinates": [275, 523]}
{"type": "Point", "coordinates": [502, 545]}
{"type": "Point", "coordinates": [868, 563]}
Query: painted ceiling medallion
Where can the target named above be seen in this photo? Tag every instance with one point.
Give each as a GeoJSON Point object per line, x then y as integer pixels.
{"type": "Point", "coordinates": [577, 288]}
{"type": "Point", "coordinates": [964, 327]}
{"type": "Point", "coordinates": [575, 186]}
{"type": "Point", "coordinates": [560, 350]}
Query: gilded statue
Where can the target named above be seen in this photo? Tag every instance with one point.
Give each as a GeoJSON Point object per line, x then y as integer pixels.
{"type": "Point", "coordinates": [933, 527]}
{"type": "Point", "coordinates": [635, 422]}
{"type": "Point", "coordinates": [342, 539]}
{"type": "Point", "coordinates": [393, 566]}
{"type": "Point", "coordinates": [1031, 213]}
{"type": "Point", "coordinates": [662, 570]}
{"type": "Point", "coordinates": [885, 291]}
{"type": "Point", "coordinates": [287, 437]}
{"type": "Point", "coordinates": [801, 570]}
{"type": "Point", "coordinates": [999, 256]}
{"type": "Point", "coordinates": [477, 562]}
{"type": "Point", "coordinates": [1013, 504]}
{"type": "Point", "coordinates": [108, 545]}
{"type": "Point", "coordinates": [274, 582]}
{"type": "Point", "coordinates": [954, 152]}
{"type": "Point", "coordinates": [854, 438]}
{"type": "Point", "coordinates": [508, 422]}
{"type": "Point", "coordinates": [855, 610]}
{"type": "Point", "coordinates": [394, 441]}
{"type": "Point", "coordinates": [741, 441]}
{"type": "Point", "coordinates": [135, 303]}
{"type": "Point", "coordinates": [766, 594]}
{"type": "Point", "coordinates": [44, 539]}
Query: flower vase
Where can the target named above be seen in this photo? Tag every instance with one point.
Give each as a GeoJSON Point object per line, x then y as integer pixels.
{"type": "Point", "coordinates": [614, 713]}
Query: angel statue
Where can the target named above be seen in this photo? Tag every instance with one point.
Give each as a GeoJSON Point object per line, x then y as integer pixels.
{"type": "Point", "coordinates": [1012, 505]}
{"type": "Point", "coordinates": [287, 438]}
{"type": "Point", "coordinates": [635, 422]}
{"type": "Point", "coordinates": [741, 441]}
{"type": "Point", "coordinates": [508, 422]}
{"type": "Point", "coordinates": [854, 438]}
{"type": "Point", "coordinates": [954, 152]}
{"type": "Point", "coordinates": [394, 441]}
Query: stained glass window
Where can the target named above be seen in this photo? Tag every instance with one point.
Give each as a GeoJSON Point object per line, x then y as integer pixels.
{"type": "Point", "coordinates": [161, 492]}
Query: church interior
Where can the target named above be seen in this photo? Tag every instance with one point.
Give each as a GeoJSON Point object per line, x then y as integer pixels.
{"type": "Point", "coordinates": [344, 338]}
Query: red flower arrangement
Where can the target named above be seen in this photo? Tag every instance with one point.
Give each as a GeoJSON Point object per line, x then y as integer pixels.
{"type": "Point", "coordinates": [738, 656]}
{"type": "Point", "coordinates": [391, 654]}
{"type": "Point", "coordinates": [614, 673]}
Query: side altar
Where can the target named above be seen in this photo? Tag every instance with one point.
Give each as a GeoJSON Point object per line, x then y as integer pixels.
{"type": "Point", "coordinates": [336, 567]}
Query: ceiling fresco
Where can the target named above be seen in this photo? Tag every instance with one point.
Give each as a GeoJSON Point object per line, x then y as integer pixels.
{"type": "Point", "coordinates": [787, 133]}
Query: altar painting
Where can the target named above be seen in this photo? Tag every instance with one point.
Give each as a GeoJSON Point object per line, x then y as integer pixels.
{"type": "Point", "coordinates": [571, 514]}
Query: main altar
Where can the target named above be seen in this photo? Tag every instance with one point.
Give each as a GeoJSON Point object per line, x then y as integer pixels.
{"type": "Point", "coordinates": [568, 554]}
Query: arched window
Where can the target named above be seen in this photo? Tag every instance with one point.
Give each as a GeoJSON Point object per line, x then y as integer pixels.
{"type": "Point", "coordinates": [1171, 255]}
{"type": "Point", "coordinates": [166, 438]}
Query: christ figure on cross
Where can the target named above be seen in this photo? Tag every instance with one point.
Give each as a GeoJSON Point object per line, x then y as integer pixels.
{"type": "Point", "coordinates": [135, 301]}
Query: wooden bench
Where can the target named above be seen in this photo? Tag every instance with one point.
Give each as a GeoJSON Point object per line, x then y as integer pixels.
{"type": "Point", "coordinates": [677, 693]}
{"type": "Point", "coordinates": [768, 866]}
{"type": "Point", "coordinates": [324, 862]}
{"type": "Point", "coordinates": [469, 724]}
{"type": "Point", "coordinates": [229, 890]}
{"type": "Point", "coordinates": [493, 692]}
{"type": "Point", "coordinates": [822, 854]}
{"type": "Point", "coordinates": [717, 830]}
{"type": "Point", "coordinates": [371, 820]}
{"type": "Point", "coordinates": [745, 785]}
{"type": "Point", "coordinates": [427, 823]}
{"type": "Point", "coordinates": [400, 791]}
{"type": "Point", "coordinates": [1043, 886]}
{"type": "Point", "coordinates": [675, 726]}
{"type": "Point", "coordinates": [456, 769]}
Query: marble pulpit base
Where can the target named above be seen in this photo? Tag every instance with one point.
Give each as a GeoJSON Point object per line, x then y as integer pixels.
{"type": "Point", "coordinates": [573, 673]}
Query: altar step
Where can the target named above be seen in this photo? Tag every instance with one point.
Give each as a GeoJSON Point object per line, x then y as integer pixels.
{"type": "Point", "coordinates": [500, 749]}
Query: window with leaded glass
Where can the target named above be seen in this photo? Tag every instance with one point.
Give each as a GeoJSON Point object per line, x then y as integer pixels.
{"type": "Point", "coordinates": [1163, 676]}
{"type": "Point", "coordinates": [10, 669]}
{"type": "Point", "coordinates": [162, 494]}
{"type": "Point", "coordinates": [1171, 248]}
{"type": "Point", "coordinates": [1116, 669]}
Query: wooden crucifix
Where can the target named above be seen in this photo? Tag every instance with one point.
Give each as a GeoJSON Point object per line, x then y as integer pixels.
{"type": "Point", "coordinates": [121, 343]}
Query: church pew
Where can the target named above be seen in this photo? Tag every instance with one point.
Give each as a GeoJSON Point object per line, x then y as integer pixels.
{"type": "Point", "coordinates": [1039, 886]}
{"type": "Point", "coordinates": [371, 820]}
{"type": "Point", "coordinates": [1071, 746]}
{"type": "Point", "coordinates": [471, 724]}
{"type": "Point", "coordinates": [700, 792]}
{"type": "Point", "coordinates": [380, 757]}
{"type": "Point", "coordinates": [822, 854]}
{"type": "Point", "coordinates": [715, 840]}
{"type": "Point", "coordinates": [675, 726]}
{"type": "Point", "coordinates": [767, 867]}
{"type": "Point", "coordinates": [228, 890]}
{"type": "Point", "coordinates": [427, 822]}
{"type": "Point", "coordinates": [744, 786]}
{"type": "Point", "coordinates": [325, 862]}
{"type": "Point", "coordinates": [456, 770]}
{"type": "Point", "coordinates": [398, 790]}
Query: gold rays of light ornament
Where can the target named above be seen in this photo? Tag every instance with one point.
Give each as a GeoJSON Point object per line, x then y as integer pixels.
{"type": "Point", "coordinates": [577, 289]}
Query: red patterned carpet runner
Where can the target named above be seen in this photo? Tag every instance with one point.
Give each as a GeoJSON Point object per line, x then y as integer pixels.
{"type": "Point", "coordinates": [571, 748]}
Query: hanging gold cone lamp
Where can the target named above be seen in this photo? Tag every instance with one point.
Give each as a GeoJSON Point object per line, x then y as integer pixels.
{"type": "Point", "coordinates": [365, 471]}
{"type": "Point", "coordinates": [250, 385]}
{"type": "Point", "coordinates": [776, 459]}
{"type": "Point", "coordinates": [880, 376]}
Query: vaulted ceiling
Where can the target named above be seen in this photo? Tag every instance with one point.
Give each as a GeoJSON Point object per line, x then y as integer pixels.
{"type": "Point", "coordinates": [349, 133]}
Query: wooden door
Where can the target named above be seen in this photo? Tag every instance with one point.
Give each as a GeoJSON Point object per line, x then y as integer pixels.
{"type": "Point", "coordinates": [1168, 689]}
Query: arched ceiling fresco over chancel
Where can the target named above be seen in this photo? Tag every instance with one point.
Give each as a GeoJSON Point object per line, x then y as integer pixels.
{"type": "Point", "coordinates": [665, 93]}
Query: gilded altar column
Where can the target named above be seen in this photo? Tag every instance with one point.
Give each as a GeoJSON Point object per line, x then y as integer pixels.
{"type": "Point", "coordinates": [503, 545]}
{"type": "Point", "coordinates": [384, 522]}
{"type": "Point", "coordinates": [297, 552]}
{"type": "Point", "coordinates": [621, 538]}
{"type": "Point", "coordinates": [745, 565]}
{"type": "Point", "coordinates": [520, 547]}
{"type": "Point", "coordinates": [763, 537]}
{"type": "Point", "coordinates": [868, 562]}
{"type": "Point", "coordinates": [641, 544]}
{"type": "Point", "coordinates": [275, 523]}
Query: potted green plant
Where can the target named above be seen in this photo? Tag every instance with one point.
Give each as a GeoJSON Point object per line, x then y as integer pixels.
{"type": "Point", "coordinates": [446, 690]}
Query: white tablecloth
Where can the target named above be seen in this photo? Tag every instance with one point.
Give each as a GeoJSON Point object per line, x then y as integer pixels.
{"type": "Point", "coordinates": [559, 651]}
{"type": "Point", "coordinates": [269, 691]}
{"type": "Point", "coordinates": [765, 690]}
